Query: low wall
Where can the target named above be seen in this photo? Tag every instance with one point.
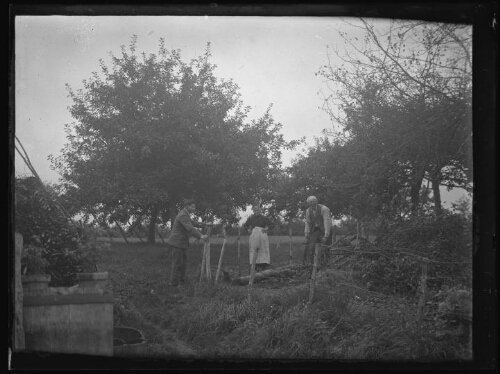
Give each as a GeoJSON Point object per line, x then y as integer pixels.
{"type": "Point", "coordinates": [69, 320]}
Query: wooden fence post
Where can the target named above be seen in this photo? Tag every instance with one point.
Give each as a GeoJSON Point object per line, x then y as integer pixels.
{"type": "Point", "coordinates": [203, 257]}
{"type": "Point", "coordinates": [423, 292]}
{"type": "Point", "coordinates": [221, 254]}
{"type": "Point", "coordinates": [314, 271]}
{"type": "Point", "coordinates": [290, 251]}
{"type": "Point", "coordinates": [239, 262]}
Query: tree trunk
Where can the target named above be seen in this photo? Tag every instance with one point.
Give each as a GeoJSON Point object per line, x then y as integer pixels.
{"type": "Point", "coordinates": [121, 230]}
{"type": "Point", "coordinates": [415, 187]}
{"type": "Point", "coordinates": [437, 193]}
{"type": "Point", "coordinates": [152, 225]}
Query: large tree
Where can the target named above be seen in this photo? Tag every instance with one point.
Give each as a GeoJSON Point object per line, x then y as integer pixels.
{"type": "Point", "coordinates": [405, 92]}
{"type": "Point", "coordinates": [151, 130]}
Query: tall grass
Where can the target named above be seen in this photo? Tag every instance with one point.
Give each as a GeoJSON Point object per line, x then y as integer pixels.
{"type": "Point", "coordinates": [343, 321]}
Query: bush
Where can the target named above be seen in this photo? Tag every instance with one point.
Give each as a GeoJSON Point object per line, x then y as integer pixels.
{"type": "Point", "coordinates": [446, 240]}
{"type": "Point", "coordinates": [33, 260]}
{"type": "Point", "coordinates": [89, 253]}
{"type": "Point", "coordinates": [66, 251]}
{"type": "Point", "coordinates": [41, 224]}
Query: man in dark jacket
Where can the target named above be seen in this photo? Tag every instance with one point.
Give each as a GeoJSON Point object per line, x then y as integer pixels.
{"type": "Point", "coordinates": [178, 241]}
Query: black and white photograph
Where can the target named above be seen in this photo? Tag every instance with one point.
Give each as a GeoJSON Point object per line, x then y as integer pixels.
{"type": "Point", "coordinates": [243, 187]}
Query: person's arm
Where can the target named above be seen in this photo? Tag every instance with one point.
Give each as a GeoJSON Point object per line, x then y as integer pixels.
{"type": "Point", "coordinates": [188, 225]}
{"type": "Point", "coordinates": [198, 224]}
{"type": "Point", "coordinates": [306, 229]}
{"type": "Point", "coordinates": [327, 220]}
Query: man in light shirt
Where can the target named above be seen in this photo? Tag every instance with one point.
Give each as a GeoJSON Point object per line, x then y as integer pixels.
{"type": "Point", "coordinates": [317, 227]}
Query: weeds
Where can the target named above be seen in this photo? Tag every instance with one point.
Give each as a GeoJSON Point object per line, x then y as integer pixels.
{"type": "Point", "coordinates": [345, 320]}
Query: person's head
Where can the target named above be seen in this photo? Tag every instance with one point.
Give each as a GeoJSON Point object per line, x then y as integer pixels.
{"type": "Point", "coordinates": [257, 210]}
{"type": "Point", "coordinates": [312, 201]}
{"type": "Point", "coordinates": [189, 204]}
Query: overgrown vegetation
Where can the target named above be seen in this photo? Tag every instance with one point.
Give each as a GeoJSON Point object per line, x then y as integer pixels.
{"type": "Point", "coordinates": [51, 243]}
{"type": "Point", "coordinates": [394, 261]}
{"type": "Point", "coordinates": [346, 320]}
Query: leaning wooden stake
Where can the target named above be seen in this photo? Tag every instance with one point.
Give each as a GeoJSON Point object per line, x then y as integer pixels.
{"type": "Point", "coordinates": [314, 271]}
{"type": "Point", "coordinates": [221, 254]}
{"type": "Point", "coordinates": [207, 262]}
{"type": "Point", "coordinates": [290, 250]}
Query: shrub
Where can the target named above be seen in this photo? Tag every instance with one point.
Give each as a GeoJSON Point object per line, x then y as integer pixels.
{"type": "Point", "coordinates": [33, 260]}
{"type": "Point", "coordinates": [39, 220]}
{"type": "Point", "coordinates": [446, 240]}
{"type": "Point", "coordinates": [88, 255]}
{"type": "Point", "coordinates": [41, 224]}
{"type": "Point", "coordinates": [452, 314]}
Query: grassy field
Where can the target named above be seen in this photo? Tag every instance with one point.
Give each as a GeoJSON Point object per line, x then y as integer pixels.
{"type": "Point", "coordinates": [270, 321]}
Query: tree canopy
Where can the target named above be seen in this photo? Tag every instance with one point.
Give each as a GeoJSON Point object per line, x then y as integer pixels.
{"type": "Point", "coordinates": [151, 130]}
{"type": "Point", "coordinates": [400, 105]}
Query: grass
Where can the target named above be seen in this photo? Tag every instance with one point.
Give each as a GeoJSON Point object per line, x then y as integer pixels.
{"type": "Point", "coordinates": [275, 322]}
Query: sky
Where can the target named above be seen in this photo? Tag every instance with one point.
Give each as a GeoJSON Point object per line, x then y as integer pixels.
{"type": "Point", "coordinates": [273, 60]}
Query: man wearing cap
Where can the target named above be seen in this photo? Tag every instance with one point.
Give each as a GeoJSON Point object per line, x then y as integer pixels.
{"type": "Point", "coordinates": [317, 227]}
{"type": "Point", "coordinates": [178, 241]}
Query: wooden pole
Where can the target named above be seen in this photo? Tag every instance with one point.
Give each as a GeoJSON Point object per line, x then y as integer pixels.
{"type": "Point", "coordinates": [290, 250]}
{"type": "Point", "coordinates": [314, 271]}
{"type": "Point", "coordinates": [221, 254]}
{"type": "Point", "coordinates": [239, 262]}
{"type": "Point", "coordinates": [202, 271]}
{"type": "Point", "coordinates": [207, 262]}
